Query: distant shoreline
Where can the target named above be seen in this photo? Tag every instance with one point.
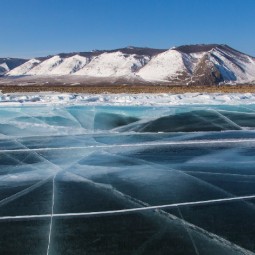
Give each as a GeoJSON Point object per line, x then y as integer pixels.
{"type": "Point", "coordinates": [134, 89]}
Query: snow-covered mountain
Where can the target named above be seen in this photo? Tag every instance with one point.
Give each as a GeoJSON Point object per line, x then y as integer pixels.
{"type": "Point", "coordinates": [113, 64]}
{"type": "Point", "coordinates": [70, 65]}
{"type": "Point", "coordinates": [167, 66]}
{"type": "Point", "coordinates": [3, 68]}
{"type": "Point", "coordinates": [7, 64]}
{"type": "Point", "coordinates": [183, 65]}
{"type": "Point", "coordinates": [24, 68]}
{"type": "Point", "coordinates": [200, 64]}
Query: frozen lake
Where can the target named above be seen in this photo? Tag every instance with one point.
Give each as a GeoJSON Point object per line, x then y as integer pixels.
{"type": "Point", "coordinates": [127, 180]}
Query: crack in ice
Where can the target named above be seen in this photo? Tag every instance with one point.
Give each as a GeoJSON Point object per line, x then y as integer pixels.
{"type": "Point", "coordinates": [229, 121]}
{"type": "Point", "coordinates": [134, 204]}
{"type": "Point", "coordinates": [186, 173]}
{"type": "Point", "coordinates": [23, 192]}
{"type": "Point", "coordinates": [123, 211]}
{"type": "Point", "coordinates": [188, 231]}
{"type": "Point", "coordinates": [52, 212]}
{"type": "Point", "coordinates": [193, 142]}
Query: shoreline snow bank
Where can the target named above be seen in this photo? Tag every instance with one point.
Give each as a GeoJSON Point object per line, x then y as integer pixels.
{"type": "Point", "coordinates": [162, 99]}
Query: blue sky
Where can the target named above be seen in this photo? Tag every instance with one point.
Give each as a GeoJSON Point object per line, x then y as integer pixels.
{"type": "Point", "coordinates": [42, 27]}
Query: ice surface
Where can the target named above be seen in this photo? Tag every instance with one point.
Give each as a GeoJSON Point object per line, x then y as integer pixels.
{"type": "Point", "coordinates": [125, 179]}
{"type": "Point", "coordinates": [162, 99]}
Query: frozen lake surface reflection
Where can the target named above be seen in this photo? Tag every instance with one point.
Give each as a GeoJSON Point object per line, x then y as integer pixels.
{"type": "Point", "coordinates": [127, 180]}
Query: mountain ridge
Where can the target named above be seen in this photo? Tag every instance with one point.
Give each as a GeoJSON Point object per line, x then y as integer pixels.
{"type": "Point", "coordinates": [198, 64]}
